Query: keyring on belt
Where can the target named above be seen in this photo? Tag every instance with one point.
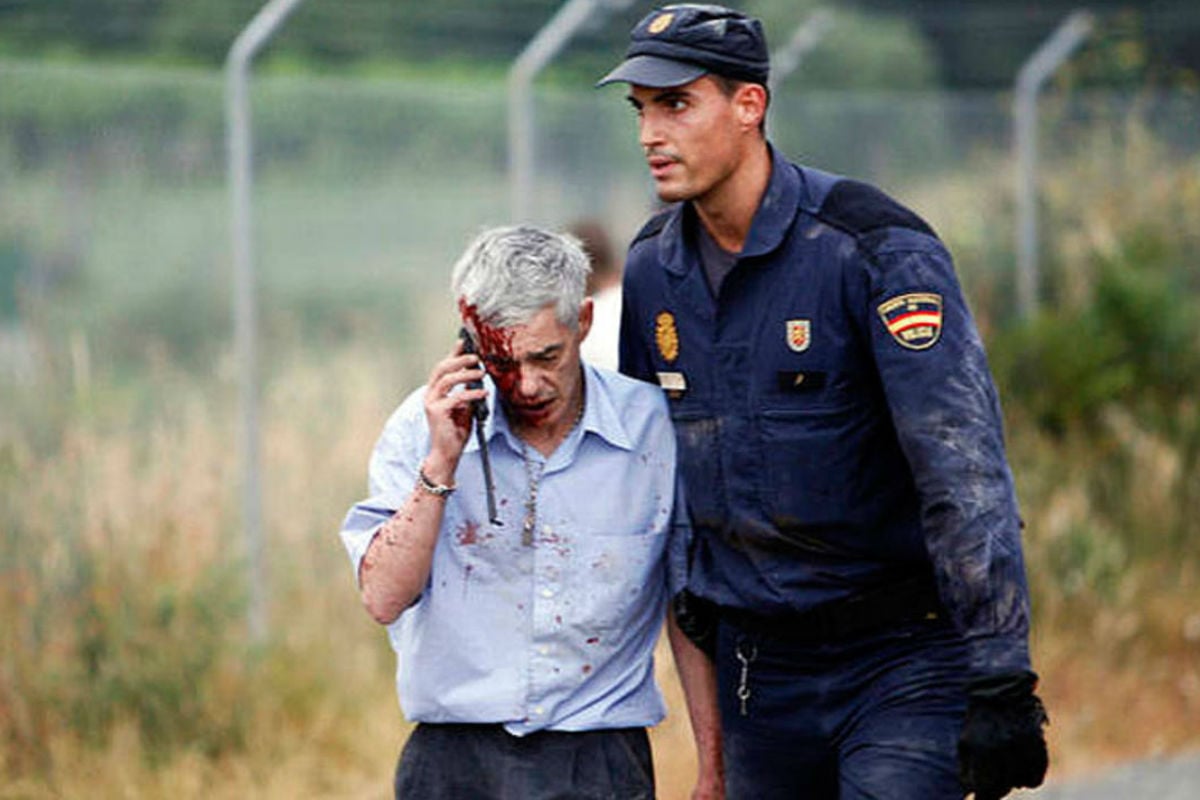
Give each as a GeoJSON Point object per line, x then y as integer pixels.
{"type": "Point", "coordinates": [746, 651]}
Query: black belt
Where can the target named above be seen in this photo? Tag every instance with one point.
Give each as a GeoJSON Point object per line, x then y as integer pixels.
{"type": "Point", "coordinates": [908, 601]}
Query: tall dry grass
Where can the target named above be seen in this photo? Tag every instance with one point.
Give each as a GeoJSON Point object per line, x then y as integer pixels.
{"type": "Point", "coordinates": [126, 671]}
{"type": "Point", "coordinates": [126, 668]}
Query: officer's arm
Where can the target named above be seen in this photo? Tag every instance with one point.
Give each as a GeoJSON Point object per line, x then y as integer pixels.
{"type": "Point", "coordinates": [698, 677]}
{"type": "Point", "coordinates": [937, 384]}
{"type": "Point", "coordinates": [947, 416]}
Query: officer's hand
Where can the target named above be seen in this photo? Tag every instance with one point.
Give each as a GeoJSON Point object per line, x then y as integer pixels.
{"type": "Point", "coordinates": [697, 618]}
{"type": "Point", "coordinates": [1002, 745]}
{"type": "Point", "coordinates": [447, 410]}
{"type": "Point", "coordinates": [708, 791]}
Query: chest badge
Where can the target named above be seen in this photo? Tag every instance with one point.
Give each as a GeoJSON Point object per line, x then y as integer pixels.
{"type": "Point", "coordinates": [914, 320]}
{"type": "Point", "coordinates": [666, 336]}
{"type": "Point", "coordinates": [799, 334]}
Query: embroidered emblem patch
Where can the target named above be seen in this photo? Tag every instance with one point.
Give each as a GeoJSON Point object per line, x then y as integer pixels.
{"type": "Point", "coordinates": [799, 334]}
{"type": "Point", "coordinates": [914, 320]}
{"type": "Point", "coordinates": [666, 337]}
{"type": "Point", "coordinates": [660, 23]}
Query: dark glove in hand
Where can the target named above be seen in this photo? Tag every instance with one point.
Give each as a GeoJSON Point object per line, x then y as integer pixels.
{"type": "Point", "coordinates": [697, 618]}
{"type": "Point", "coordinates": [1002, 745]}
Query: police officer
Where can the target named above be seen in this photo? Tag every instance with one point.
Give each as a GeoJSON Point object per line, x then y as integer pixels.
{"type": "Point", "coordinates": [856, 569]}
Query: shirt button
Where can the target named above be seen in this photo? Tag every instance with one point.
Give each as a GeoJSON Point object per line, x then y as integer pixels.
{"type": "Point", "coordinates": [539, 711]}
{"type": "Point", "coordinates": [544, 650]}
{"type": "Point", "coordinates": [547, 593]}
{"type": "Point", "coordinates": [546, 529]}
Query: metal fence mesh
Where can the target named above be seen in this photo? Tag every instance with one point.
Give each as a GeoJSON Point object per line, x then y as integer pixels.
{"type": "Point", "coordinates": [114, 213]}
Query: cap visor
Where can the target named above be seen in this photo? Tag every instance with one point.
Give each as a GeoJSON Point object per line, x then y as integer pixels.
{"type": "Point", "coordinates": [652, 71]}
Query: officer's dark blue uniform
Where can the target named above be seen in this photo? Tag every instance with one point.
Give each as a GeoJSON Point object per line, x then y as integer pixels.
{"type": "Point", "coordinates": [855, 532]}
{"type": "Point", "coordinates": [839, 434]}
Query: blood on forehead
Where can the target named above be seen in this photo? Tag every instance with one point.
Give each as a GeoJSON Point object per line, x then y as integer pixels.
{"type": "Point", "coordinates": [495, 348]}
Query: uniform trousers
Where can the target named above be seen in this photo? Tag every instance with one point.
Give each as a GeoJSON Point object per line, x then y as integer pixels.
{"type": "Point", "coordinates": [873, 717]}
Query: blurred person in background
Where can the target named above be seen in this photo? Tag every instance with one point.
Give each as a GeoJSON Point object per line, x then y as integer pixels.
{"type": "Point", "coordinates": [524, 645]}
{"type": "Point", "coordinates": [856, 569]}
{"type": "Point", "coordinates": [604, 287]}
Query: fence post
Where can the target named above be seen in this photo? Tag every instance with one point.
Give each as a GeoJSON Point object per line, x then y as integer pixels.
{"type": "Point", "coordinates": [539, 52]}
{"type": "Point", "coordinates": [807, 35]}
{"type": "Point", "coordinates": [239, 147]}
{"type": "Point", "coordinates": [1033, 75]}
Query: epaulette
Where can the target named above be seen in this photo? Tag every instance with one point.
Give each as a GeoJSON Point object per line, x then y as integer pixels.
{"type": "Point", "coordinates": [652, 226]}
{"type": "Point", "coordinates": [859, 208]}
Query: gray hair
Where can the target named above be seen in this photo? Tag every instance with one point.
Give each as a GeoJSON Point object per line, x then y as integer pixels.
{"type": "Point", "coordinates": [509, 274]}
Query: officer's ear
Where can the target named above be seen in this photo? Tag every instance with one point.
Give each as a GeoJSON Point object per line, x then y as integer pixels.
{"type": "Point", "coordinates": [750, 105]}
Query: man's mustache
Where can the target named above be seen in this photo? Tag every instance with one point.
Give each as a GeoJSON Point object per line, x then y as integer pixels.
{"type": "Point", "coordinates": [657, 153]}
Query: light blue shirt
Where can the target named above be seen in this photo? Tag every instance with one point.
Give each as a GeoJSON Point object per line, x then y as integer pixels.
{"type": "Point", "coordinates": [554, 635]}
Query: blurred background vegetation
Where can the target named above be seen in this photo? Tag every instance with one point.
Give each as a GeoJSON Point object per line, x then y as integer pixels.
{"type": "Point", "coordinates": [125, 666]}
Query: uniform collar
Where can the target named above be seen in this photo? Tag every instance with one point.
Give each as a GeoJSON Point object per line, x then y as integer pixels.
{"type": "Point", "coordinates": [770, 225]}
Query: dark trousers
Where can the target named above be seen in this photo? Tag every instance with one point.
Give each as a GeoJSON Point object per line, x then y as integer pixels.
{"type": "Point", "coordinates": [874, 717]}
{"type": "Point", "coordinates": [485, 762]}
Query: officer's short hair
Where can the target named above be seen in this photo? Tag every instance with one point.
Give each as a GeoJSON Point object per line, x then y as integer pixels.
{"type": "Point", "coordinates": [509, 274]}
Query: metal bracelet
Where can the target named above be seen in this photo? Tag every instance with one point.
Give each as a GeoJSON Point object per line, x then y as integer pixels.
{"type": "Point", "coordinates": [429, 487]}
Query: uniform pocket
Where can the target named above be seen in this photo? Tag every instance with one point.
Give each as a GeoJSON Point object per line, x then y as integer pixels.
{"type": "Point", "coordinates": [810, 464]}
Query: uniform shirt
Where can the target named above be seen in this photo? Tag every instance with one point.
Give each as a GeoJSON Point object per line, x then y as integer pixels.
{"type": "Point", "coordinates": [837, 423]}
{"type": "Point", "coordinates": [559, 634]}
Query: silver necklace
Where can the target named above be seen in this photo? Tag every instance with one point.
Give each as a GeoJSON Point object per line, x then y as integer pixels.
{"type": "Point", "coordinates": [531, 498]}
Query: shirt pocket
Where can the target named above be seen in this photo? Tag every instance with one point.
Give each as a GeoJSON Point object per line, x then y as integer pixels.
{"type": "Point", "coordinates": [617, 578]}
{"type": "Point", "coordinates": [810, 464]}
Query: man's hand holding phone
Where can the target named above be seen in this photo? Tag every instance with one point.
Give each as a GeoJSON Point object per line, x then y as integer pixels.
{"type": "Point", "coordinates": [455, 383]}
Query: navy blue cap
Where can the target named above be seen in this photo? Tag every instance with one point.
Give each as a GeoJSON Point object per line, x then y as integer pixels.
{"type": "Point", "coordinates": [677, 44]}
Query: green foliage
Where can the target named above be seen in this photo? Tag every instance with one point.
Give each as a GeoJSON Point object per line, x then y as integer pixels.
{"type": "Point", "coordinates": [1100, 386]}
{"type": "Point", "coordinates": [1133, 345]}
{"type": "Point", "coordinates": [1062, 370]}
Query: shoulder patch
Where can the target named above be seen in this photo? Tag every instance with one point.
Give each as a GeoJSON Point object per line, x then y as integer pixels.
{"type": "Point", "coordinates": [652, 227]}
{"type": "Point", "coordinates": [914, 320]}
{"type": "Point", "coordinates": [861, 208]}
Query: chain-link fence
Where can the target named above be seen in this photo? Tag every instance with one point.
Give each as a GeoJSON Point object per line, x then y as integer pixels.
{"type": "Point", "coordinates": [114, 215]}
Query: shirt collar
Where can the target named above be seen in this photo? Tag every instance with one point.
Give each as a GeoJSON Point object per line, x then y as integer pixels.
{"type": "Point", "coordinates": [599, 416]}
{"type": "Point", "coordinates": [770, 225]}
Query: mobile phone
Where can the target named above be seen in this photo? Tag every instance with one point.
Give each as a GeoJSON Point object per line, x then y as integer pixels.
{"type": "Point", "coordinates": [479, 407]}
{"type": "Point", "coordinates": [479, 410]}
